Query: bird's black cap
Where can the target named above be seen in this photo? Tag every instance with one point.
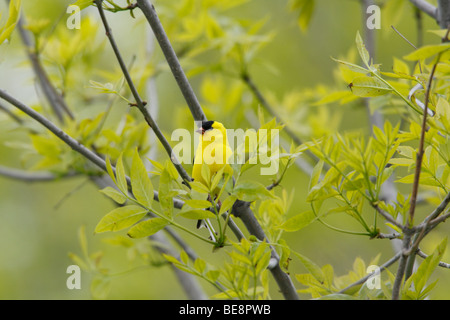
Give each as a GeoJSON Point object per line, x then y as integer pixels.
{"type": "Point", "coordinates": [207, 125]}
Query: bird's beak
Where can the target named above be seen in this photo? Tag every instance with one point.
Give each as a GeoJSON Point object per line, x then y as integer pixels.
{"type": "Point", "coordinates": [201, 131]}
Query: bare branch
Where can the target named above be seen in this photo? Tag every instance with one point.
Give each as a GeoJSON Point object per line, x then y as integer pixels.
{"type": "Point", "coordinates": [191, 99]}
{"type": "Point", "coordinates": [10, 114]}
{"type": "Point", "coordinates": [443, 16]}
{"type": "Point", "coordinates": [421, 254]}
{"type": "Point", "coordinates": [383, 267]}
{"type": "Point", "coordinates": [190, 284]}
{"type": "Point", "coordinates": [55, 100]}
{"type": "Point", "coordinates": [240, 209]}
{"type": "Point", "coordinates": [139, 102]}
{"type": "Point", "coordinates": [426, 7]}
{"type": "Point", "coordinates": [28, 176]}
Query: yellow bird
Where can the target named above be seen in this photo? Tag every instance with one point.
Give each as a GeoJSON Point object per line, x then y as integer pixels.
{"type": "Point", "coordinates": [213, 149]}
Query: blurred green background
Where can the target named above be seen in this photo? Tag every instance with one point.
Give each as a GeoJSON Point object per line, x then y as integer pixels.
{"type": "Point", "coordinates": [39, 222]}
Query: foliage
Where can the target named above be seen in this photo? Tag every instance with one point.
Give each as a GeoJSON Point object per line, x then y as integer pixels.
{"type": "Point", "coordinates": [349, 170]}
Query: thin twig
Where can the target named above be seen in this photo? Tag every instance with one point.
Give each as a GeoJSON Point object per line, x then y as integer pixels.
{"type": "Point", "coordinates": [139, 102]}
{"type": "Point", "coordinates": [247, 79]}
{"type": "Point", "coordinates": [383, 267]}
{"type": "Point", "coordinates": [10, 114]}
{"type": "Point", "coordinates": [55, 100]}
{"type": "Point", "coordinates": [27, 176]}
{"type": "Point", "coordinates": [420, 151]}
{"type": "Point", "coordinates": [408, 250]}
{"type": "Point", "coordinates": [421, 254]}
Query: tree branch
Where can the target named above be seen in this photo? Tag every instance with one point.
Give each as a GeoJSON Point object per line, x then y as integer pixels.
{"type": "Point", "coordinates": [28, 176]}
{"type": "Point", "coordinates": [55, 100]}
{"type": "Point", "coordinates": [139, 102]}
{"type": "Point", "coordinates": [443, 16]}
{"type": "Point", "coordinates": [10, 114]}
{"type": "Point", "coordinates": [266, 105]}
{"type": "Point", "coordinates": [191, 99]}
{"type": "Point", "coordinates": [89, 155]}
{"type": "Point", "coordinates": [386, 265]}
{"type": "Point", "coordinates": [421, 254]}
{"type": "Point", "coordinates": [240, 209]}
{"type": "Point", "coordinates": [409, 250]}
{"type": "Point", "coordinates": [426, 7]}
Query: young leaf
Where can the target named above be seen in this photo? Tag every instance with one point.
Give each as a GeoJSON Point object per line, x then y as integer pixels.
{"type": "Point", "coordinates": [251, 191]}
{"type": "Point", "coordinates": [120, 218]}
{"type": "Point", "coordinates": [112, 193]}
{"type": "Point", "coordinates": [120, 176]}
{"type": "Point", "coordinates": [363, 53]}
{"type": "Point", "coordinates": [197, 214]}
{"type": "Point", "coordinates": [298, 222]}
{"type": "Point", "coordinates": [427, 51]}
{"type": "Point", "coordinates": [147, 228]}
{"type": "Point", "coordinates": [351, 66]}
{"type": "Point", "coordinates": [13, 18]}
{"type": "Point", "coordinates": [141, 184]}
{"type": "Point", "coordinates": [227, 204]}
{"type": "Point", "coordinates": [165, 198]}
{"type": "Point", "coordinates": [198, 204]}
{"type": "Point", "coordinates": [368, 87]}
{"type": "Point", "coordinates": [314, 269]}
{"type": "Point", "coordinates": [82, 4]}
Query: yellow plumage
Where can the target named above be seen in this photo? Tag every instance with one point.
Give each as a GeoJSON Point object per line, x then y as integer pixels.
{"type": "Point", "coordinates": [213, 149]}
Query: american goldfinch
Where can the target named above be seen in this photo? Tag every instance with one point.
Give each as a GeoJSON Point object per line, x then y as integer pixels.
{"type": "Point", "coordinates": [213, 150]}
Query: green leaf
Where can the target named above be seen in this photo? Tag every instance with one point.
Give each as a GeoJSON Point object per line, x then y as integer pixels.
{"type": "Point", "coordinates": [120, 175]}
{"type": "Point", "coordinates": [82, 4]}
{"type": "Point", "coordinates": [427, 51]}
{"type": "Point", "coordinates": [306, 14]}
{"type": "Point", "coordinates": [147, 228]}
{"type": "Point", "coordinates": [100, 287]}
{"type": "Point", "coordinates": [197, 214]}
{"type": "Point", "coordinates": [227, 204]}
{"type": "Point", "coordinates": [368, 87]}
{"type": "Point", "coordinates": [110, 170]}
{"type": "Point", "coordinates": [427, 267]}
{"type": "Point", "coordinates": [263, 262]}
{"type": "Point", "coordinates": [13, 18]}
{"type": "Point", "coordinates": [120, 218]}
{"type": "Point", "coordinates": [206, 173]}
{"type": "Point", "coordinates": [351, 66]}
{"type": "Point", "coordinates": [298, 222]}
{"type": "Point", "coordinates": [114, 194]}
{"type": "Point", "coordinates": [141, 184]}
{"type": "Point", "coordinates": [198, 204]}
{"type": "Point", "coordinates": [200, 265]}
{"type": "Point", "coordinates": [337, 296]}
{"type": "Point", "coordinates": [199, 187]}
{"type": "Point", "coordinates": [251, 191]}
{"type": "Point", "coordinates": [314, 269]}
{"type": "Point", "coordinates": [165, 197]}
{"type": "Point", "coordinates": [363, 53]}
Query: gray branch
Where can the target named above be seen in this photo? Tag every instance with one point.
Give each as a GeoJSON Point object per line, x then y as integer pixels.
{"type": "Point", "coordinates": [443, 17]}
{"type": "Point", "coordinates": [191, 99]}
{"type": "Point", "coordinates": [426, 7]}
{"type": "Point", "coordinates": [240, 209]}
{"type": "Point", "coordinates": [139, 102]}
{"type": "Point", "coordinates": [55, 100]}
{"type": "Point", "coordinates": [27, 176]}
